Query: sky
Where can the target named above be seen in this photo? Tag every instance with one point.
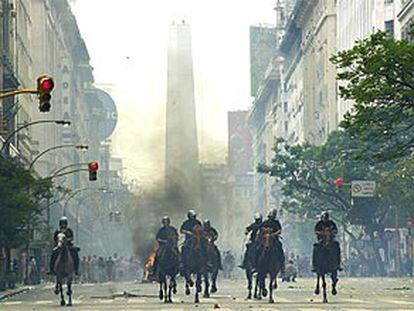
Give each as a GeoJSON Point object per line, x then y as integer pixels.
{"type": "Point", "coordinates": [127, 42]}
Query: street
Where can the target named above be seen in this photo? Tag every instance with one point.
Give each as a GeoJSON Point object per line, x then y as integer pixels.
{"type": "Point", "coordinates": [354, 294]}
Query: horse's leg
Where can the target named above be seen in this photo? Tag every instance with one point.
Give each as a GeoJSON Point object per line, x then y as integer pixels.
{"type": "Point", "coordinates": [318, 287]}
{"type": "Point", "coordinates": [57, 287]}
{"type": "Point", "coordinates": [259, 286]}
{"type": "Point", "coordinates": [165, 289]}
{"type": "Point", "coordinates": [249, 283]}
{"type": "Point", "coordinates": [198, 288]}
{"type": "Point", "coordinates": [334, 277]}
{"type": "Point", "coordinates": [170, 288]}
{"type": "Point", "coordinates": [263, 285]}
{"type": "Point", "coordinates": [271, 281]}
{"type": "Point", "coordinates": [214, 281]}
{"type": "Point", "coordinates": [69, 292]}
{"type": "Point", "coordinates": [206, 285]}
{"type": "Point", "coordinates": [325, 299]}
{"type": "Point", "coordinates": [161, 280]}
{"type": "Point", "coordinates": [187, 282]}
{"type": "Point", "coordinates": [174, 284]}
{"type": "Point", "coordinates": [256, 286]}
{"type": "Point", "coordinates": [62, 297]}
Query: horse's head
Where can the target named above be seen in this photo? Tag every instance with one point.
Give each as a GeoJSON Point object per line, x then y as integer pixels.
{"type": "Point", "coordinates": [267, 237]}
{"type": "Point", "coordinates": [328, 236]}
{"type": "Point", "coordinates": [198, 234]}
{"type": "Point", "coordinates": [61, 240]}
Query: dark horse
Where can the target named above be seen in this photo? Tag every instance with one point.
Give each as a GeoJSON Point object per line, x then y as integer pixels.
{"type": "Point", "coordinates": [251, 271]}
{"type": "Point", "coordinates": [269, 261]}
{"type": "Point", "coordinates": [212, 266]}
{"type": "Point", "coordinates": [168, 266]}
{"type": "Point", "coordinates": [64, 269]}
{"type": "Point", "coordinates": [194, 261]}
{"type": "Point", "coordinates": [325, 263]}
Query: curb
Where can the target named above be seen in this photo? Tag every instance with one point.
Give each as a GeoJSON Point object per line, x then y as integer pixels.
{"type": "Point", "coordinates": [14, 293]}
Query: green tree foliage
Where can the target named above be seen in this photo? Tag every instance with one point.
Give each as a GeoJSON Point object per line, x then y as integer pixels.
{"type": "Point", "coordinates": [307, 174]}
{"type": "Point", "coordinates": [378, 75]}
{"type": "Point", "coordinates": [20, 196]}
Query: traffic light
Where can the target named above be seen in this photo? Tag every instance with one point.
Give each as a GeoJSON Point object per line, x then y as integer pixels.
{"type": "Point", "coordinates": [45, 85]}
{"type": "Point", "coordinates": [93, 170]}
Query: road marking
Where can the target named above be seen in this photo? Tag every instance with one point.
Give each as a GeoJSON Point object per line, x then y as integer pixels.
{"type": "Point", "coordinates": [43, 302]}
{"type": "Point", "coordinates": [400, 302]}
{"type": "Point", "coordinates": [12, 303]}
{"type": "Point", "coordinates": [136, 300]}
{"type": "Point", "coordinates": [354, 300]}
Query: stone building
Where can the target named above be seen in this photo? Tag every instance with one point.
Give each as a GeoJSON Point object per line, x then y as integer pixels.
{"type": "Point", "coordinates": [406, 19]}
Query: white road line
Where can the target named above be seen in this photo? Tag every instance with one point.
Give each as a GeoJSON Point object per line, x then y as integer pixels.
{"type": "Point", "coordinates": [43, 302]}
{"type": "Point", "coordinates": [136, 300]}
{"type": "Point", "coordinates": [12, 303]}
{"type": "Point", "coordinates": [400, 302]}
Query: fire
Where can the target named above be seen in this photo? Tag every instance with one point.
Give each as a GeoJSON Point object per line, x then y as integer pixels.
{"type": "Point", "coordinates": [150, 263]}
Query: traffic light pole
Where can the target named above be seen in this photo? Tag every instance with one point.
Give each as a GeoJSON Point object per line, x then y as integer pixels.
{"type": "Point", "coordinates": [11, 135]}
{"type": "Point", "coordinates": [54, 148]}
{"type": "Point", "coordinates": [18, 92]}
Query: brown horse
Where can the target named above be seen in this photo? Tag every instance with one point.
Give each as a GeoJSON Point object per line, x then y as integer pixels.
{"type": "Point", "coordinates": [325, 263]}
{"type": "Point", "coordinates": [269, 261]}
{"type": "Point", "coordinates": [211, 268]}
{"type": "Point", "coordinates": [194, 261]}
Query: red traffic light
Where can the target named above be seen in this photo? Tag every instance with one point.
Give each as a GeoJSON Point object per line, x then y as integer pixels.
{"type": "Point", "coordinates": [45, 84]}
{"type": "Point", "coordinates": [93, 166]}
{"type": "Point", "coordinates": [339, 182]}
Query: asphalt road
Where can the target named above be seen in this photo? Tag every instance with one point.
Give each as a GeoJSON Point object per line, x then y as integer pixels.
{"type": "Point", "coordinates": [354, 294]}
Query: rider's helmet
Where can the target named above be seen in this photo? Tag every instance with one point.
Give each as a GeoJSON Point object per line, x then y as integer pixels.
{"type": "Point", "coordinates": [166, 220]}
{"type": "Point", "coordinates": [258, 217]}
{"type": "Point", "coordinates": [272, 214]}
{"type": "Point", "coordinates": [191, 214]}
{"type": "Point", "coordinates": [206, 223]}
{"type": "Point", "coordinates": [63, 222]}
{"type": "Point", "coordinates": [325, 216]}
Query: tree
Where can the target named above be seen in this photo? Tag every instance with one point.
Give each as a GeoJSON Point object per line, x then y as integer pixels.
{"type": "Point", "coordinates": [307, 174]}
{"type": "Point", "coordinates": [378, 75]}
{"type": "Point", "coordinates": [20, 197]}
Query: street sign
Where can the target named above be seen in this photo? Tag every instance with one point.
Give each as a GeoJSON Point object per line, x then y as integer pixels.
{"type": "Point", "coordinates": [363, 188]}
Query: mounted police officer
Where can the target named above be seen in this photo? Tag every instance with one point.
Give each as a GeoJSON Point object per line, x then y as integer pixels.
{"type": "Point", "coordinates": [276, 228]}
{"type": "Point", "coordinates": [167, 235]}
{"type": "Point", "coordinates": [325, 224]}
{"type": "Point", "coordinates": [211, 233]}
{"type": "Point", "coordinates": [63, 228]}
{"type": "Point", "coordinates": [251, 244]}
{"type": "Point", "coordinates": [187, 229]}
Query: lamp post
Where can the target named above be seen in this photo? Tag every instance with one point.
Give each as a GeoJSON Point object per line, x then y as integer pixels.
{"type": "Point", "coordinates": [11, 135]}
{"type": "Point", "coordinates": [81, 147]}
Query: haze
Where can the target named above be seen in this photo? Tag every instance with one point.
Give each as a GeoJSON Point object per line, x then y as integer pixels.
{"type": "Point", "coordinates": [127, 42]}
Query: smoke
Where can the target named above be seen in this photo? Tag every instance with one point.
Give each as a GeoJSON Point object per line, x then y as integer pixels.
{"type": "Point", "coordinates": [153, 204]}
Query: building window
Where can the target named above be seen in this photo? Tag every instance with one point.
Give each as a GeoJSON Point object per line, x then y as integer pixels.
{"type": "Point", "coordinates": [285, 107]}
{"type": "Point", "coordinates": [388, 1]}
{"type": "Point", "coordinates": [65, 100]}
{"type": "Point", "coordinates": [286, 126]}
{"type": "Point", "coordinates": [389, 28]}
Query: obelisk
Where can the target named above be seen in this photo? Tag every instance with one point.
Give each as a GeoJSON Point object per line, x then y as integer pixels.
{"type": "Point", "coordinates": [181, 152]}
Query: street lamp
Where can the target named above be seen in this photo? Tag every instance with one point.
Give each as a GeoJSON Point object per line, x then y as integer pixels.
{"type": "Point", "coordinates": [8, 139]}
{"type": "Point", "coordinates": [80, 147]}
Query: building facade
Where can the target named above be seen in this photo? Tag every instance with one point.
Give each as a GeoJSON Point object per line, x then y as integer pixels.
{"type": "Point", "coordinates": [406, 19]}
{"type": "Point", "coordinates": [42, 37]}
{"type": "Point", "coordinates": [240, 185]}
